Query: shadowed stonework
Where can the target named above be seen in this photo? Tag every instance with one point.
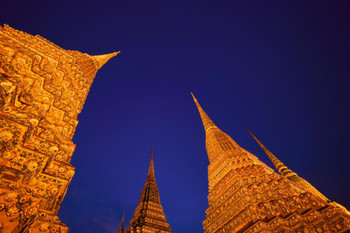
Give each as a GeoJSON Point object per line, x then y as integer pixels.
{"type": "Point", "coordinates": [245, 195]}
{"type": "Point", "coordinates": [43, 89]}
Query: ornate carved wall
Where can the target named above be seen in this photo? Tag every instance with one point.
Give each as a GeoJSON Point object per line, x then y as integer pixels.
{"type": "Point", "coordinates": [42, 90]}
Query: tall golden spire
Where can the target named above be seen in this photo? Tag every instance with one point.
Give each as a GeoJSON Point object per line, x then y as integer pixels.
{"type": "Point", "coordinates": [289, 174]}
{"type": "Point", "coordinates": [207, 122]}
{"type": "Point", "coordinates": [121, 228]}
{"type": "Point", "coordinates": [216, 141]}
{"type": "Point", "coordinates": [103, 59]}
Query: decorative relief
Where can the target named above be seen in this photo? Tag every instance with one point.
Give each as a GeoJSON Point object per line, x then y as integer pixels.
{"type": "Point", "coordinates": [42, 90]}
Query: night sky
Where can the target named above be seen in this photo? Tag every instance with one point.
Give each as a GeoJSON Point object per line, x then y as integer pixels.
{"type": "Point", "coordinates": [278, 68]}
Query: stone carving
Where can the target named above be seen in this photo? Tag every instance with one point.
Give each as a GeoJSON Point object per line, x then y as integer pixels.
{"type": "Point", "coordinates": [42, 90]}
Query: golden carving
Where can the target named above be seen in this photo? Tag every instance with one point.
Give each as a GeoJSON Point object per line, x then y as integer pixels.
{"type": "Point", "coordinates": [245, 195]}
{"type": "Point", "coordinates": [42, 90]}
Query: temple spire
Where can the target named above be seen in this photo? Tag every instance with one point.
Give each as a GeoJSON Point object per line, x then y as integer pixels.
{"type": "Point", "coordinates": [103, 59]}
{"type": "Point", "coordinates": [151, 176]}
{"type": "Point", "coordinates": [207, 122]}
{"type": "Point", "coordinates": [149, 212]}
{"type": "Point", "coordinates": [150, 190]}
{"type": "Point", "coordinates": [216, 141]}
{"type": "Point", "coordinates": [281, 168]}
{"type": "Point", "coordinates": [289, 174]}
{"type": "Point", "coordinates": [121, 228]}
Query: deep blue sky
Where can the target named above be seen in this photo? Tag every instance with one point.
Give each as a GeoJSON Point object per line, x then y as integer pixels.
{"type": "Point", "coordinates": [279, 68]}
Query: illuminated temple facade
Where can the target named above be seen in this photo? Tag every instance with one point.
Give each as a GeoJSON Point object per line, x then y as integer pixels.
{"type": "Point", "coordinates": [245, 195]}
{"type": "Point", "coordinates": [43, 89]}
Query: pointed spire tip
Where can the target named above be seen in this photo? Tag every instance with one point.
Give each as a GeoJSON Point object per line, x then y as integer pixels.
{"type": "Point", "coordinates": [207, 122]}
{"type": "Point", "coordinates": [103, 59]}
{"type": "Point", "coordinates": [194, 98]}
{"type": "Point", "coordinates": [150, 175]}
{"type": "Point", "coordinates": [152, 154]}
{"type": "Point", "coordinates": [121, 228]}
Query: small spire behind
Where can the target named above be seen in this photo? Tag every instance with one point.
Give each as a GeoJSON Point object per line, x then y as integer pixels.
{"type": "Point", "coordinates": [103, 59]}
{"type": "Point", "coordinates": [207, 122]}
{"type": "Point", "coordinates": [152, 154]}
{"type": "Point", "coordinates": [151, 175]}
{"type": "Point", "coordinates": [121, 228]}
{"type": "Point", "coordinates": [281, 168]}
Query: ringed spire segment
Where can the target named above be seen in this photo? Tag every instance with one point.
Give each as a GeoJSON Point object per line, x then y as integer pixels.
{"type": "Point", "coordinates": [103, 59]}
{"type": "Point", "coordinates": [281, 168]}
{"type": "Point", "coordinates": [289, 174]}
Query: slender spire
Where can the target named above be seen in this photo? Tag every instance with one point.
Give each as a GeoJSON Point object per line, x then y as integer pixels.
{"type": "Point", "coordinates": [216, 141]}
{"type": "Point", "coordinates": [151, 176]}
{"type": "Point", "coordinates": [121, 228]}
{"type": "Point", "coordinates": [289, 174]}
{"type": "Point", "coordinates": [281, 168]}
{"type": "Point", "coordinates": [103, 59]}
{"type": "Point", "coordinates": [207, 122]}
{"type": "Point", "coordinates": [150, 190]}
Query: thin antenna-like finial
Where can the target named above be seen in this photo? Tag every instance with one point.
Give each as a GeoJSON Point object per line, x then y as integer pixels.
{"type": "Point", "coordinates": [281, 168]}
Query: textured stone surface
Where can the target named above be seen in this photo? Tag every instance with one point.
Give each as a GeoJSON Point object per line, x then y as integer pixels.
{"type": "Point", "coordinates": [42, 90]}
{"type": "Point", "coordinates": [245, 195]}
